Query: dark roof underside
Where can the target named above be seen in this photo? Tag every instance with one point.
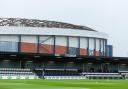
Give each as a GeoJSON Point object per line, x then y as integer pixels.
{"type": "Point", "coordinates": [40, 23]}
{"type": "Point", "coordinates": [52, 57]}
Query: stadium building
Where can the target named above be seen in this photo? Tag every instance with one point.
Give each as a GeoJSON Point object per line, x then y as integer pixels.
{"type": "Point", "coordinates": [32, 48]}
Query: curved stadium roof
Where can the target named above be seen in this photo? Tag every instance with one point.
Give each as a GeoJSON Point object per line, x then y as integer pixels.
{"type": "Point", "coordinates": [40, 23]}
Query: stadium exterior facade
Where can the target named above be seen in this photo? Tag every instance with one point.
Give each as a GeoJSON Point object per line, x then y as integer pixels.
{"type": "Point", "coordinates": [52, 48]}
{"type": "Point", "coordinates": [51, 40]}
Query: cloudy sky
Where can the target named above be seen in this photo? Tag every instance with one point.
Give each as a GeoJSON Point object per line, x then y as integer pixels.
{"type": "Point", "coordinates": [109, 16]}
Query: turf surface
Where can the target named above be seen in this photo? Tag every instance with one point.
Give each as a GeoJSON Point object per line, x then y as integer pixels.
{"type": "Point", "coordinates": [63, 84]}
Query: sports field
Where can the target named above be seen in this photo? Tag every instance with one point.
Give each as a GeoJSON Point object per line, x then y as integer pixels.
{"type": "Point", "coordinates": [63, 84]}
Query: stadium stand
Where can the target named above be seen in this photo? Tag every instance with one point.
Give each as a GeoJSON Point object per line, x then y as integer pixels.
{"type": "Point", "coordinates": [124, 74]}
{"type": "Point", "coordinates": [61, 74]}
{"type": "Point", "coordinates": [15, 72]}
{"type": "Point", "coordinates": [102, 75]}
{"type": "Point", "coordinates": [65, 77]}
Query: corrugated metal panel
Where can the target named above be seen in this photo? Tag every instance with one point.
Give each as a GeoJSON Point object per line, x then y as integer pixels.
{"type": "Point", "coordinates": [102, 47]}
{"type": "Point", "coordinates": [61, 45]}
{"type": "Point", "coordinates": [91, 46]}
{"type": "Point", "coordinates": [46, 40]}
{"type": "Point", "coordinates": [29, 39]}
{"type": "Point", "coordinates": [46, 44]}
{"type": "Point", "coordinates": [73, 46]}
{"type": "Point", "coordinates": [83, 46]}
{"type": "Point", "coordinates": [109, 50]}
{"type": "Point", "coordinates": [97, 44]}
{"type": "Point", "coordinates": [9, 46]}
{"type": "Point", "coordinates": [12, 38]}
{"type": "Point", "coordinates": [83, 43]}
{"type": "Point", "coordinates": [61, 41]}
{"type": "Point", "coordinates": [73, 42]}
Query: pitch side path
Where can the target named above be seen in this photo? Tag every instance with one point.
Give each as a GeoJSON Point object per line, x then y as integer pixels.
{"type": "Point", "coordinates": [63, 84]}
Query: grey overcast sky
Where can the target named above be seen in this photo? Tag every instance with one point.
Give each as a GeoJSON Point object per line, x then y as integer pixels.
{"type": "Point", "coordinates": [109, 16]}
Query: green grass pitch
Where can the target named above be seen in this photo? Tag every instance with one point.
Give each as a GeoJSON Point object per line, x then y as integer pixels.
{"type": "Point", "coordinates": [63, 84]}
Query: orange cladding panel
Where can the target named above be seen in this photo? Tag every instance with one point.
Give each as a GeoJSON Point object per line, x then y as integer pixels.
{"type": "Point", "coordinates": [83, 51]}
{"type": "Point", "coordinates": [46, 49]}
{"type": "Point", "coordinates": [29, 47]}
{"type": "Point", "coordinates": [60, 49]}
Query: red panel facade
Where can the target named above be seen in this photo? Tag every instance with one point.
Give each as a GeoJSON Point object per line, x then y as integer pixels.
{"type": "Point", "coordinates": [29, 47]}
{"type": "Point", "coordinates": [46, 49]}
{"type": "Point", "coordinates": [49, 49]}
{"type": "Point", "coordinates": [60, 49]}
{"type": "Point", "coordinates": [83, 51]}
